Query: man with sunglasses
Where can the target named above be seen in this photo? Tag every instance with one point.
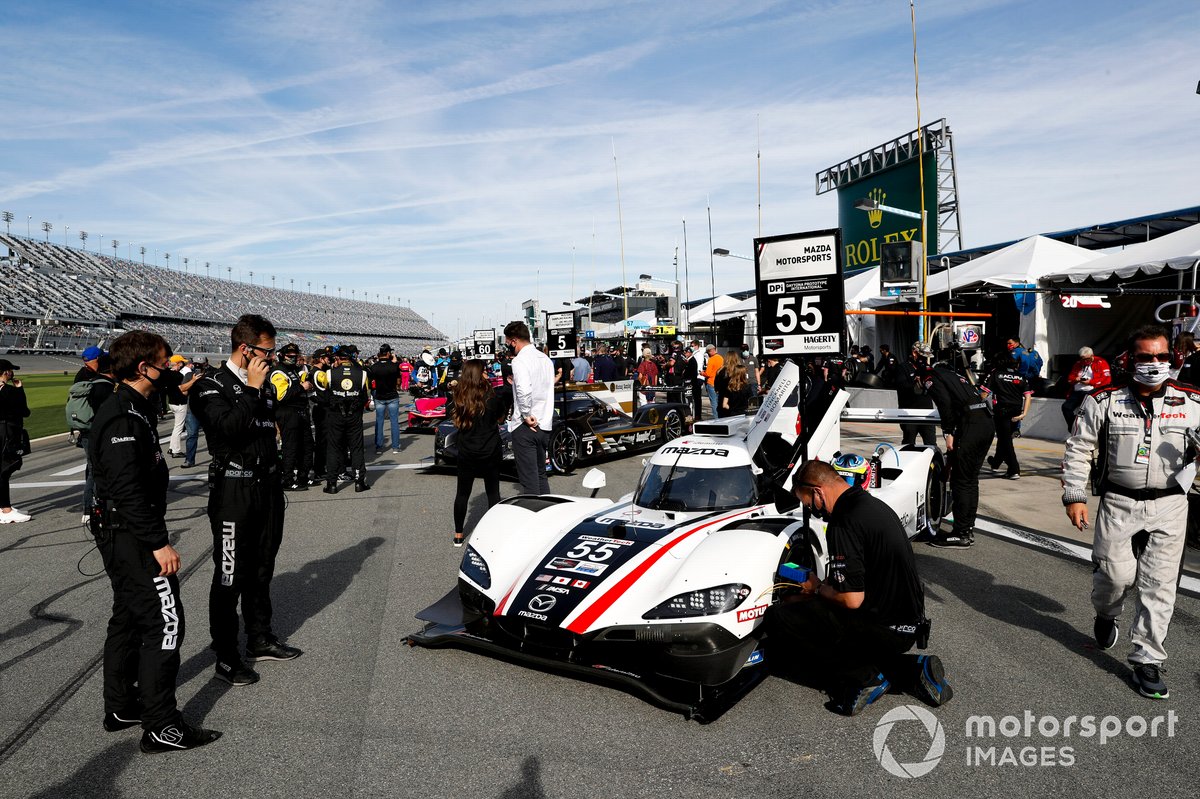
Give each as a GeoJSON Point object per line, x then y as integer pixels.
{"type": "Point", "coordinates": [1141, 432]}
{"type": "Point", "coordinates": [236, 407]}
{"type": "Point", "coordinates": [851, 631]}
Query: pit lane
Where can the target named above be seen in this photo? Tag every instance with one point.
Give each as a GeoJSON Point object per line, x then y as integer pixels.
{"type": "Point", "coordinates": [361, 714]}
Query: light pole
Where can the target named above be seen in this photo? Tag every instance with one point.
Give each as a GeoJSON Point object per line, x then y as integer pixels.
{"type": "Point", "coordinates": [167, 255]}
{"type": "Point", "coordinates": [185, 264]}
{"type": "Point", "coordinates": [228, 272]}
{"type": "Point", "coordinates": [28, 219]}
{"type": "Point", "coordinates": [272, 282]}
{"type": "Point", "coordinates": [66, 229]}
{"type": "Point", "coordinates": [207, 273]}
{"type": "Point", "coordinates": [83, 237]}
{"type": "Point", "coordinates": [8, 218]}
{"type": "Point", "coordinates": [724, 253]}
{"type": "Point", "coordinates": [251, 278]}
{"type": "Point", "coordinates": [47, 227]}
{"type": "Point", "coordinates": [142, 252]}
{"type": "Point", "coordinates": [115, 244]}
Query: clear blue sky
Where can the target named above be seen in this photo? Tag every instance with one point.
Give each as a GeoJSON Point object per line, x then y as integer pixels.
{"type": "Point", "coordinates": [460, 154]}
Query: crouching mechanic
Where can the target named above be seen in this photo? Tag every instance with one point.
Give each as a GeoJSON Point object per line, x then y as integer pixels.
{"type": "Point", "coordinates": [851, 632]}
{"type": "Point", "coordinates": [236, 407]}
{"type": "Point", "coordinates": [141, 652]}
{"type": "Point", "coordinates": [1140, 431]}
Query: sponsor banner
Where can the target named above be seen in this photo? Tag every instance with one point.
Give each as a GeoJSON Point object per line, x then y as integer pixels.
{"type": "Point", "coordinates": [561, 335]}
{"type": "Point", "coordinates": [484, 344]}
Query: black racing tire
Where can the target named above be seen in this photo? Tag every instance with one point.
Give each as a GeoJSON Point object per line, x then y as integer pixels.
{"type": "Point", "coordinates": [672, 426]}
{"type": "Point", "coordinates": [563, 449]}
{"type": "Point", "coordinates": [936, 497]}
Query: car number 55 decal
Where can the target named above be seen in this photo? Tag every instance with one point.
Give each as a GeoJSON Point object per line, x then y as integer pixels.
{"type": "Point", "coordinates": [594, 551]}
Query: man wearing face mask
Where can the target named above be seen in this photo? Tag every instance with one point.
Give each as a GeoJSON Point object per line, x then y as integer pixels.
{"type": "Point", "coordinates": [852, 629]}
{"type": "Point", "coordinates": [141, 652]}
{"type": "Point", "coordinates": [1140, 432]}
{"type": "Point", "coordinates": [290, 385]}
{"type": "Point", "coordinates": [236, 407]}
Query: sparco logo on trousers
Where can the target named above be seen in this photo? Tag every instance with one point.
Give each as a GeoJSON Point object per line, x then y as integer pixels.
{"type": "Point", "coordinates": [170, 616]}
{"type": "Point", "coordinates": [227, 552]}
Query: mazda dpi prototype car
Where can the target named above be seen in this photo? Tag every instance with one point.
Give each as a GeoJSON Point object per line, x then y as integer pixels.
{"type": "Point", "coordinates": [664, 591]}
{"type": "Point", "coordinates": [588, 425]}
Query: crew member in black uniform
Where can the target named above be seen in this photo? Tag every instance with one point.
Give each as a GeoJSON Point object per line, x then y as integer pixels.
{"type": "Point", "coordinates": [290, 383]}
{"type": "Point", "coordinates": [236, 408]}
{"type": "Point", "coordinates": [1012, 394]}
{"type": "Point", "coordinates": [851, 631]}
{"type": "Point", "coordinates": [967, 423]}
{"type": "Point", "coordinates": [319, 405]}
{"type": "Point", "coordinates": [141, 652]}
{"type": "Point", "coordinates": [910, 393]}
{"type": "Point", "coordinates": [345, 385]}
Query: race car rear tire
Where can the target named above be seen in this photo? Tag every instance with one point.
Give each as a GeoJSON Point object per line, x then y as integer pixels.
{"type": "Point", "coordinates": [672, 426]}
{"type": "Point", "coordinates": [563, 449]}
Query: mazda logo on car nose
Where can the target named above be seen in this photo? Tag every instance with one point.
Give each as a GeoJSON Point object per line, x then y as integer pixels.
{"type": "Point", "coordinates": [542, 603]}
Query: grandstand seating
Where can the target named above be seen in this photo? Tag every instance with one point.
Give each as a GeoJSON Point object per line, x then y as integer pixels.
{"type": "Point", "coordinates": [93, 293]}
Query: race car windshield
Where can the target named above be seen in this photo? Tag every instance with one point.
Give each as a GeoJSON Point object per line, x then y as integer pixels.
{"type": "Point", "coordinates": [681, 488]}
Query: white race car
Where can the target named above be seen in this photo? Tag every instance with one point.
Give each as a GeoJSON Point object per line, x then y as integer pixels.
{"type": "Point", "coordinates": [664, 591]}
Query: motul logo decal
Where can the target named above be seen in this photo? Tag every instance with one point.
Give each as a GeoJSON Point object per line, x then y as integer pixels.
{"type": "Point", "coordinates": [750, 614]}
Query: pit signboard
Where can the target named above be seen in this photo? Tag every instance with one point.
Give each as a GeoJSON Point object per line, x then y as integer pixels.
{"type": "Point", "coordinates": [801, 296]}
{"type": "Point", "coordinates": [485, 344]}
{"type": "Point", "coordinates": [561, 336]}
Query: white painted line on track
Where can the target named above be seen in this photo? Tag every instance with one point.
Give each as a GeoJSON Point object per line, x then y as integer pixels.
{"type": "Point", "coordinates": [200, 476]}
{"type": "Point", "coordinates": [73, 470]}
{"type": "Point", "coordinates": [1076, 551]}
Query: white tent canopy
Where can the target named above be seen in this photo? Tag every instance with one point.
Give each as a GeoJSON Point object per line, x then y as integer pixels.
{"type": "Point", "coordinates": [718, 306]}
{"type": "Point", "coordinates": [1178, 250]}
{"type": "Point", "coordinates": [643, 319]}
{"type": "Point", "coordinates": [1026, 261]}
{"type": "Point", "coordinates": [862, 287]}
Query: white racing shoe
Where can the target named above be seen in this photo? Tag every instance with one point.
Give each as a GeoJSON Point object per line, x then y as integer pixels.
{"type": "Point", "coordinates": [13, 516]}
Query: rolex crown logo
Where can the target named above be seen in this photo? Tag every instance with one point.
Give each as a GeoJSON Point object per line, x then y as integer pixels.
{"type": "Point", "coordinates": [875, 217]}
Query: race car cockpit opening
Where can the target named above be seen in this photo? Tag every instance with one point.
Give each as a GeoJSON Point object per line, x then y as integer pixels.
{"type": "Point", "coordinates": [671, 487]}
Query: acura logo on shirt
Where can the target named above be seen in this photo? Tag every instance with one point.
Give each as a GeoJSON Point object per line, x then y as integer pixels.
{"type": "Point", "coordinates": [542, 603]}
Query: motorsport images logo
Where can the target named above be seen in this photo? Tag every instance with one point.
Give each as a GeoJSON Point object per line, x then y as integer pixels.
{"type": "Point", "coordinates": [928, 722]}
{"type": "Point", "coordinates": [1027, 740]}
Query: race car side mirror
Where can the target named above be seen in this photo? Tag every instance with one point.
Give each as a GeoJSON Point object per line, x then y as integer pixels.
{"type": "Point", "coordinates": [594, 480]}
{"type": "Point", "coordinates": [785, 501]}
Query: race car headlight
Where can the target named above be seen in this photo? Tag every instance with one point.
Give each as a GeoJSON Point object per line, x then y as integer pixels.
{"type": "Point", "coordinates": [705, 602]}
{"type": "Point", "coordinates": [474, 566]}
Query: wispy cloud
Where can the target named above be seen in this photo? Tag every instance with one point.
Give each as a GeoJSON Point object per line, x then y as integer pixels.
{"type": "Point", "coordinates": [464, 150]}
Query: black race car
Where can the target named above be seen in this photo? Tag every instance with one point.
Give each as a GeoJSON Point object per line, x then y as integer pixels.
{"type": "Point", "coordinates": [589, 424]}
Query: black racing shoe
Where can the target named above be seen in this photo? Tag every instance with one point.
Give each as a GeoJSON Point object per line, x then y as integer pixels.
{"type": "Point", "coordinates": [315, 481]}
{"type": "Point", "coordinates": [271, 650]}
{"type": "Point", "coordinates": [296, 487]}
{"type": "Point", "coordinates": [330, 488]}
{"type": "Point", "coordinates": [952, 540]}
{"type": "Point", "coordinates": [853, 703]}
{"type": "Point", "coordinates": [236, 673]}
{"type": "Point", "coordinates": [993, 463]}
{"type": "Point", "coordinates": [177, 737]}
{"type": "Point", "coordinates": [115, 722]}
{"type": "Point", "coordinates": [360, 486]}
{"type": "Point", "coordinates": [931, 686]}
{"type": "Point", "coordinates": [1105, 631]}
{"type": "Point", "coordinates": [1148, 677]}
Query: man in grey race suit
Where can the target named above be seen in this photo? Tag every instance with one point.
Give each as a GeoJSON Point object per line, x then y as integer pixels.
{"type": "Point", "coordinates": [1139, 432]}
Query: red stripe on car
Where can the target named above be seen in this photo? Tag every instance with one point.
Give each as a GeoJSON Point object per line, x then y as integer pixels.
{"type": "Point", "coordinates": [606, 600]}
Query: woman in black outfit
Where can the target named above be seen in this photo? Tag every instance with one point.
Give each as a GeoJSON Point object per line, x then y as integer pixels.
{"type": "Point", "coordinates": [477, 412]}
{"type": "Point", "coordinates": [13, 410]}
{"type": "Point", "coordinates": [733, 386]}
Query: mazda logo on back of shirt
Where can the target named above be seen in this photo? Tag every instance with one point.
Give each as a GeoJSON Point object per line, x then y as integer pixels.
{"type": "Point", "coordinates": [542, 603]}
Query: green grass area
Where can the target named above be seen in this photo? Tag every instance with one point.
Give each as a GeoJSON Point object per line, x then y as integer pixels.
{"type": "Point", "coordinates": [47, 397]}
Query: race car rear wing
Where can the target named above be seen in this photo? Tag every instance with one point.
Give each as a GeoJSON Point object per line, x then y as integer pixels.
{"type": "Point", "coordinates": [890, 415]}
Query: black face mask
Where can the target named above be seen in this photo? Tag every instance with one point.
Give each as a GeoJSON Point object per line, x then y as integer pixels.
{"type": "Point", "coordinates": [822, 514]}
{"type": "Point", "coordinates": [167, 379]}
{"type": "Point", "coordinates": [510, 350]}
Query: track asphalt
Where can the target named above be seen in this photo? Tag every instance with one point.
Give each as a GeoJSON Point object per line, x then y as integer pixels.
{"type": "Point", "coordinates": [363, 715]}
